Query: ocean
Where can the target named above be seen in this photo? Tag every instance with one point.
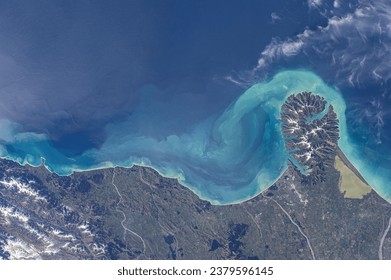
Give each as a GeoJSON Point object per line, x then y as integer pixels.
{"type": "Point", "coordinates": [224, 159]}
{"type": "Point", "coordinates": [192, 89]}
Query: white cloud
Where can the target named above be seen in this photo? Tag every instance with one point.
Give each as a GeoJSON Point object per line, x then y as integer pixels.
{"type": "Point", "coordinates": [275, 17]}
{"type": "Point", "coordinates": [314, 3]}
{"type": "Point", "coordinates": [353, 49]}
{"type": "Point", "coordinates": [278, 49]}
{"type": "Point", "coordinates": [356, 44]}
{"type": "Point", "coordinates": [291, 48]}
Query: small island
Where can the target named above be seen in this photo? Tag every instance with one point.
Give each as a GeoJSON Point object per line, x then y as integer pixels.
{"type": "Point", "coordinates": [310, 130]}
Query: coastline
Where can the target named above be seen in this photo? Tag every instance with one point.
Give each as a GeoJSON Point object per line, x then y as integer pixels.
{"type": "Point", "coordinates": [271, 94]}
{"type": "Point", "coordinates": [349, 165]}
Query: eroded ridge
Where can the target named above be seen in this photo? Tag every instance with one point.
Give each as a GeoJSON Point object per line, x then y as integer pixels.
{"type": "Point", "coordinates": [311, 132]}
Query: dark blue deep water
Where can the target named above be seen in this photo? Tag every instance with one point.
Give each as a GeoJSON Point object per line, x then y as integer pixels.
{"type": "Point", "coordinates": [190, 88]}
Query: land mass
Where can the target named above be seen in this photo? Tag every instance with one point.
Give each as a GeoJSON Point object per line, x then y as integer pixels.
{"type": "Point", "coordinates": [134, 213]}
{"type": "Point", "coordinates": [349, 165]}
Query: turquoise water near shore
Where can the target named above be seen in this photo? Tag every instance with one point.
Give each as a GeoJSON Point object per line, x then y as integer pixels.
{"type": "Point", "coordinates": [224, 159]}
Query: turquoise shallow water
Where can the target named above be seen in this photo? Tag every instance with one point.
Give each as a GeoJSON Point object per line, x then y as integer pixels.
{"type": "Point", "coordinates": [224, 159]}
